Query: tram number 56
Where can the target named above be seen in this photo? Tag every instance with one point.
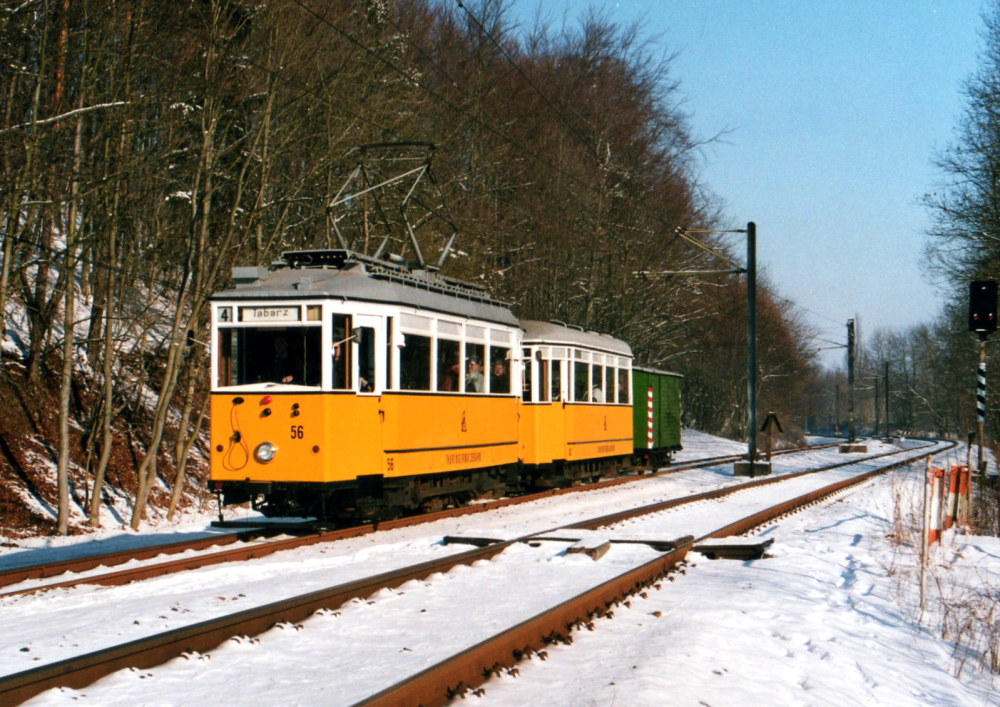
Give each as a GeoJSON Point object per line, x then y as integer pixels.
{"type": "Point", "coordinates": [298, 432]}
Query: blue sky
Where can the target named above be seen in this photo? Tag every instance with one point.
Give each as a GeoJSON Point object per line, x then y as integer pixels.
{"type": "Point", "coordinates": [835, 110]}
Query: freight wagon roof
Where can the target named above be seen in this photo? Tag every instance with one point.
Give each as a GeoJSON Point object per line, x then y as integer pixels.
{"type": "Point", "coordinates": [347, 276]}
{"type": "Point", "coordinates": [561, 334]}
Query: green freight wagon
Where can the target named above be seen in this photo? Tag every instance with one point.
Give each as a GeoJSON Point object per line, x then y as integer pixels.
{"type": "Point", "coordinates": [656, 415]}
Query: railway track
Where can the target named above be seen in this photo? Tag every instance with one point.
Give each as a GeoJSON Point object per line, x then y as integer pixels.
{"type": "Point", "coordinates": [466, 668]}
{"type": "Point", "coordinates": [711, 461]}
{"type": "Point", "coordinates": [305, 536]}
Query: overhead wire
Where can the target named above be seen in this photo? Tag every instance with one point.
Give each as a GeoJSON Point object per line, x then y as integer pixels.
{"type": "Point", "coordinates": [489, 128]}
{"type": "Point", "coordinates": [800, 306]}
{"type": "Point", "coordinates": [435, 94]}
{"type": "Point", "coordinates": [303, 92]}
{"type": "Point", "coordinates": [679, 232]}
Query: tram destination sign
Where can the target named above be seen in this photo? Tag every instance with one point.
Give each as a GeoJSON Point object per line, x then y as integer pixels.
{"type": "Point", "coordinates": [270, 314]}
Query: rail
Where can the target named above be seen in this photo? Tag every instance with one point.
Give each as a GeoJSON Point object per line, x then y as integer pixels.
{"type": "Point", "coordinates": [435, 685]}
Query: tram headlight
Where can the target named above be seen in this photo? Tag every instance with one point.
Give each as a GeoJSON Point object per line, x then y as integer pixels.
{"type": "Point", "coordinates": [265, 452]}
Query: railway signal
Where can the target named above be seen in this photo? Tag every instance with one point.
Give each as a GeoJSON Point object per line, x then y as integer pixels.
{"type": "Point", "coordinates": [983, 307]}
{"type": "Point", "coordinates": [982, 321]}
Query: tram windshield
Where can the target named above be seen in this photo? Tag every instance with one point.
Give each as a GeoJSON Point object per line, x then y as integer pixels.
{"type": "Point", "coordinates": [289, 355]}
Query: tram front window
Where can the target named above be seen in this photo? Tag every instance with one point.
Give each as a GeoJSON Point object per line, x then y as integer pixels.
{"type": "Point", "coordinates": [270, 355]}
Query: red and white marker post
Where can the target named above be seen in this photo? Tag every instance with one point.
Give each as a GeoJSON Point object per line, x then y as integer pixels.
{"type": "Point", "coordinates": [936, 481]}
{"type": "Point", "coordinates": [649, 418]}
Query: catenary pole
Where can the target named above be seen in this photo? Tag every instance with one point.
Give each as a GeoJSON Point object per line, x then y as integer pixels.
{"type": "Point", "coordinates": [878, 419]}
{"type": "Point", "coordinates": [752, 339]}
{"type": "Point", "coordinates": [887, 399]}
{"type": "Point", "coordinates": [850, 380]}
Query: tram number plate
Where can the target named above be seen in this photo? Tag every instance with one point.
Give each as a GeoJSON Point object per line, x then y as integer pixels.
{"type": "Point", "coordinates": [270, 314]}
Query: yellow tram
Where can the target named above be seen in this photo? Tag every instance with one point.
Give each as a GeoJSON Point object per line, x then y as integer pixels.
{"type": "Point", "coordinates": [344, 385]}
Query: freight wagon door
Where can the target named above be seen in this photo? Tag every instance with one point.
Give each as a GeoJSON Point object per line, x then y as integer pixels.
{"type": "Point", "coordinates": [642, 393]}
{"type": "Point", "coordinates": [668, 414]}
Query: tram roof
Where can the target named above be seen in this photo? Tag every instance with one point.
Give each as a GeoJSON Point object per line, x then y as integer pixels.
{"type": "Point", "coordinates": [338, 274]}
{"type": "Point", "coordinates": [562, 334]}
{"type": "Point", "coordinates": [657, 371]}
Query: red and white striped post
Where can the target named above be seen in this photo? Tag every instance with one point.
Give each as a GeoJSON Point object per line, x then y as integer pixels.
{"type": "Point", "coordinates": [951, 513]}
{"type": "Point", "coordinates": [964, 498]}
{"type": "Point", "coordinates": [649, 418]}
{"type": "Point", "coordinates": [936, 481]}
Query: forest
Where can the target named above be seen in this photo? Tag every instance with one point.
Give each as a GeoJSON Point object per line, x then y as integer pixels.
{"type": "Point", "coordinates": [146, 148]}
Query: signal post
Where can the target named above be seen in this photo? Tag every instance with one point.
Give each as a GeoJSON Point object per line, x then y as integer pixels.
{"type": "Point", "coordinates": [982, 321]}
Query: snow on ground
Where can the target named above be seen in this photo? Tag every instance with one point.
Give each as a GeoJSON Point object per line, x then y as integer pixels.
{"type": "Point", "coordinates": [829, 618]}
{"type": "Point", "coordinates": [820, 621]}
{"type": "Point", "coordinates": [698, 445]}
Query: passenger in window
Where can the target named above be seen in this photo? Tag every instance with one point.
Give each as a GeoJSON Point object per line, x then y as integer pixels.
{"type": "Point", "coordinates": [366, 379]}
{"type": "Point", "coordinates": [283, 368]}
{"type": "Point", "coordinates": [366, 359]}
{"type": "Point", "coordinates": [313, 373]}
{"type": "Point", "coordinates": [596, 394]}
{"type": "Point", "coordinates": [474, 376]}
{"type": "Point", "coordinates": [499, 381]}
{"type": "Point", "coordinates": [623, 388]}
{"type": "Point", "coordinates": [338, 365]}
{"type": "Point", "coordinates": [448, 380]}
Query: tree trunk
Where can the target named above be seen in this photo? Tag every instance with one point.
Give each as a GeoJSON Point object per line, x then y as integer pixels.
{"type": "Point", "coordinates": [184, 444]}
{"type": "Point", "coordinates": [69, 324]}
{"type": "Point", "coordinates": [107, 371]}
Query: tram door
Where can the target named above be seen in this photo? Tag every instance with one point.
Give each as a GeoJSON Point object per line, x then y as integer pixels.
{"type": "Point", "coordinates": [366, 428]}
{"type": "Point", "coordinates": [369, 351]}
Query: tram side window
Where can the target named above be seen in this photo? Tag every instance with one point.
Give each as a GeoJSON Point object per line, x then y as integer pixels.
{"type": "Point", "coordinates": [312, 352]}
{"type": "Point", "coordinates": [226, 368]}
{"type": "Point", "coordinates": [526, 376]}
{"type": "Point", "coordinates": [415, 363]}
{"type": "Point", "coordinates": [389, 345]}
{"type": "Point", "coordinates": [448, 368]}
{"type": "Point", "coordinates": [581, 373]}
{"type": "Point", "coordinates": [273, 355]}
{"type": "Point", "coordinates": [543, 373]}
{"type": "Point", "coordinates": [499, 370]}
{"type": "Point", "coordinates": [624, 391]}
{"type": "Point", "coordinates": [609, 385]}
{"type": "Point", "coordinates": [596, 391]}
{"type": "Point", "coordinates": [556, 381]}
{"type": "Point", "coordinates": [341, 353]}
{"type": "Point", "coordinates": [475, 382]}
{"type": "Point", "coordinates": [366, 360]}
